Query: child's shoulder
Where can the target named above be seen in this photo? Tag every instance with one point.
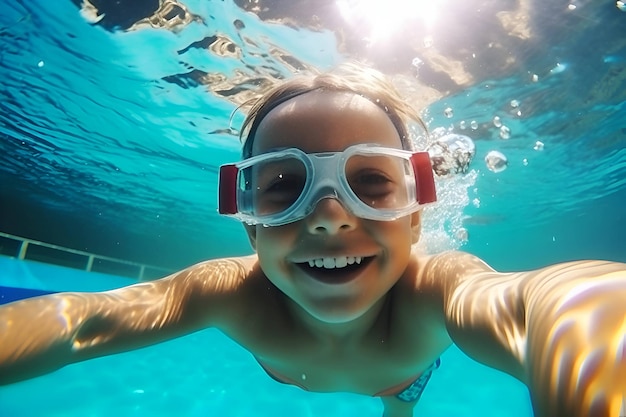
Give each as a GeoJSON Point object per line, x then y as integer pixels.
{"type": "Point", "coordinates": [438, 270]}
{"type": "Point", "coordinates": [225, 282]}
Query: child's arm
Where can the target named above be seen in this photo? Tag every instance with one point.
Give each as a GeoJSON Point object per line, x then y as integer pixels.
{"type": "Point", "coordinates": [43, 334]}
{"type": "Point", "coordinates": [560, 329]}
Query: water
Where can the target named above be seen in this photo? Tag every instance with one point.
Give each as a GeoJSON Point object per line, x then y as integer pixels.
{"type": "Point", "coordinates": [119, 133]}
{"type": "Point", "coordinates": [110, 142]}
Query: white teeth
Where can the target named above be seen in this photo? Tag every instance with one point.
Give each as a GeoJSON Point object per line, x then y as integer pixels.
{"type": "Point", "coordinates": [331, 263]}
{"type": "Point", "coordinates": [341, 262]}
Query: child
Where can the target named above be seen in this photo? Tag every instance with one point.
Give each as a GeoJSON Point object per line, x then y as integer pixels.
{"type": "Point", "coordinates": [338, 297]}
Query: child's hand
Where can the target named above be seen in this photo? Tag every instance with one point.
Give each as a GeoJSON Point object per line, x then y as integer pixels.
{"type": "Point", "coordinates": [577, 343]}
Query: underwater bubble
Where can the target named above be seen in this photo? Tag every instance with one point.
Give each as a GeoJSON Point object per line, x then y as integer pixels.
{"type": "Point", "coordinates": [474, 124]}
{"type": "Point", "coordinates": [428, 41]}
{"type": "Point", "coordinates": [525, 162]}
{"type": "Point", "coordinates": [451, 154]}
{"type": "Point", "coordinates": [448, 112]}
{"type": "Point", "coordinates": [621, 5]}
{"type": "Point", "coordinates": [514, 104]}
{"type": "Point", "coordinates": [438, 132]}
{"type": "Point", "coordinates": [41, 64]}
{"type": "Point", "coordinates": [417, 63]}
{"type": "Point", "coordinates": [571, 6]}
{"type": "Point", "coordinates": [534, 78]}
{"type": "Point", "coordinates": [496, 121]}
{"type": "Point", "coordinates": [538, 146]}
{"type": "Point", "coordinates": [505, 132]}
{"type": "Point", "coordinates": [461, 234]}
{"type": "Point", "coordinates": [476, 202]}
{"type": "Point", "coordinates": [496, 161]}
{"type": "Point", "coordinates": [462, 125]}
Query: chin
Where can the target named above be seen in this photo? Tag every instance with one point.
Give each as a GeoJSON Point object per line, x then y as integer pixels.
{"type": "Point", "coordinates": [337, 314]}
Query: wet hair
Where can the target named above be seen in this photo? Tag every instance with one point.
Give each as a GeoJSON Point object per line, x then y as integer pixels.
{"type": "Point", "coordinates": [352, 78]}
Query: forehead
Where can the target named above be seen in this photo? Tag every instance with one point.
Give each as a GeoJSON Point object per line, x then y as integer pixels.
{"type": "Point", "coordinates": [323, 121]}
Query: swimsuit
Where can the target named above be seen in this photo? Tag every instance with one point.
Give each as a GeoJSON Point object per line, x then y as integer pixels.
{"type": "Point", "coordinates": [410, 394]}
{"type": "Point", "coordinates": [414, 391]}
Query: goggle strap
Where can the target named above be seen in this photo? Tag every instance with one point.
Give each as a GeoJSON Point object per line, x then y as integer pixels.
{"type": "Point", "coordinates": [228, 189]}
{"type": "Point", "coordinates": [425, 184]}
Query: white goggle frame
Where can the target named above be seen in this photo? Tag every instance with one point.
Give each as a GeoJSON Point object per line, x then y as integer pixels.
{"type": "Point", "coordinates": [325, 178]}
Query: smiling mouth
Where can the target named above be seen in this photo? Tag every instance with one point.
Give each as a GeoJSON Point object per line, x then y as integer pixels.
{"type": "Point", "coordinates": [335, 270]}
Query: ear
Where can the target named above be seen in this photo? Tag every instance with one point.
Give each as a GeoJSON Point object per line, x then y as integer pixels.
{"type": "Point", "coordinates": [251, 231]}
{"type": "Point", "coordinates": [416, 226]}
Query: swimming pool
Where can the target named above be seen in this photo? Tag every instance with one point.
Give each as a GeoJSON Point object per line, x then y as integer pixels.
{"type": "Point", "coordinates": [112, 130]}
{"type": "Point", "coordinates": [208, 374]}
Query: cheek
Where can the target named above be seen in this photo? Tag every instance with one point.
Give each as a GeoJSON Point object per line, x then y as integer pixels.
{"type": "Point", "coordinates": [397, 237]}
{"type": "Point", "coordinates": [272, 243]}
{"type": "Point", "coordinates": [267, 235]}
{"type": "Point", "coordinates": [396, 233]}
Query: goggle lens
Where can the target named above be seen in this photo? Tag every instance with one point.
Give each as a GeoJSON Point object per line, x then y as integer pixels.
{"type": "Point", "coordinates": [274, 185]}
{"type": "Point", "coordinates": [379, 181]}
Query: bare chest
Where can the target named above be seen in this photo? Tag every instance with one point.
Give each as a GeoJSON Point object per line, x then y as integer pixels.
{"type": "Point", "coordinates": [369, 368]}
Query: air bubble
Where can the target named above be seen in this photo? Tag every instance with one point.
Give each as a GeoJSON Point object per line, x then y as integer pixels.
{"type": "Point", "coordinates": [496, 161]}
{"type": "Point", "coordinates": [505, 132]}
{"type": "Point", "coordinates": [462, 125]}
{"type": "Point", "coordinates": [474, 124]}
{"type": "Point", "coordinates": [40, 64]}
{"type": "Point", "coordinates": [514, 104]}
{"type": "Point", "coordinates": [438, 132]}
{"type": "Point", "coordinates": [451, 154]}
{"type": "Point", "coordinates": [417, 63]}
{"type": "Point", "coordinates": [534, 78]}
{"type": "Point", "coordinates": [538, 146]}
{"type": "Point", "coordinates": [448, 112]}
{"type": "Point", "coordinates": [621, 5]}
{"type": "Point", "coordinates": [461, 234]}
{"type": "Point", "coordinates": [476, 202]}
{"type": "Point", "coordinates": [496, 121]}
{"type": "Point", "coordinates": [525, 162]}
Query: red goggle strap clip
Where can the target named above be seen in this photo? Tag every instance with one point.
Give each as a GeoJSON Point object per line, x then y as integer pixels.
{"type": "Point", "coordinates": [425, 184]}
{"type": "Point", "coordinates": [227, 203]}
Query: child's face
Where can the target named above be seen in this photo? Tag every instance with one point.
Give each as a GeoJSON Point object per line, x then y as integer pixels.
{"type": "Point", "coordinates": [331, 121]}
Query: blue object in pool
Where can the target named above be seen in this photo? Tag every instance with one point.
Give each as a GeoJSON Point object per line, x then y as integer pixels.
{"type": "Point", "coordinates": [9, 294]}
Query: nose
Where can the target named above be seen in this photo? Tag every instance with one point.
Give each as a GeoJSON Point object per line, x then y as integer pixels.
{"type": "Point", "coordinates": [330, 217]}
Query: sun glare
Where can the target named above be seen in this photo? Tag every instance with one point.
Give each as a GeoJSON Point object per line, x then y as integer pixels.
{"type": "Point", "coordinates": [380, 19]}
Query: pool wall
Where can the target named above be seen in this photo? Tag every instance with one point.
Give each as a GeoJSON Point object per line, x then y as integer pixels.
{"type": "Point", "coordinates": [22, 279]}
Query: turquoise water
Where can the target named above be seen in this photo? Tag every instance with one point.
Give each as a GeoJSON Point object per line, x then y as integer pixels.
{"type": "Point", "coordinates": [110, 145]}
{"type": "Point", "coordinates": [110, 141]}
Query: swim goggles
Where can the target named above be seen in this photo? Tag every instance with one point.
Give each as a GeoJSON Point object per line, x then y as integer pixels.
{"type": "Point", "coordinates": [283, 186]}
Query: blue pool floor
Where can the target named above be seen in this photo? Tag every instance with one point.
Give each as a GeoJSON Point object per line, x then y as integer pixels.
{"type": "Point", "coordinates": [207, 374]}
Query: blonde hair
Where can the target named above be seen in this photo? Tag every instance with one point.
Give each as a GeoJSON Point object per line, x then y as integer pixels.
{"type": "Point", "coordinates": [351, 77]}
